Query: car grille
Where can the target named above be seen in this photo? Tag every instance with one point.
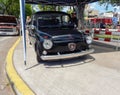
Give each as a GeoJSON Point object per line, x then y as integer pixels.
{"type": "Point", "coordinates": [63, 48]}
{"type": "Point", "coordinates": [68, 38]}
{"type": "Point", "coordinates": [6, 29]}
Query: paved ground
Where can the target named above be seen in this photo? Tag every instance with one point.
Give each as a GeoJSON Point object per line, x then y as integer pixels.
{"type": "Point", "coordinates": [5, 43]}
{"type": "Point", "coordinates": [96, 74]}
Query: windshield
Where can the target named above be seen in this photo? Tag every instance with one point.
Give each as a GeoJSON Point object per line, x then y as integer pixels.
{"type": "Point", "coordinates": [53, 20]}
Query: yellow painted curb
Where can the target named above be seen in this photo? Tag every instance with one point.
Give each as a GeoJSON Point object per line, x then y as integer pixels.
{"type": "Point", "coordinates": [13, 75]}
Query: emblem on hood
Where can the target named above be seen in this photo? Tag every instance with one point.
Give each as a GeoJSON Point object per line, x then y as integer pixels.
{"type": "Point", "coordinates": [72, 46]}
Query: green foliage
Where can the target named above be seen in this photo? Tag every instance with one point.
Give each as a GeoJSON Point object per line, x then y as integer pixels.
{"type": "Point", "coordinates": [28, 10]}
{"type": "Point", "coordinates": [49, 8]}
{"type": "Point", "coordinates": [12, 7]}
{"type": "Point", "coordinates": [46, 7]}
{"type": "Point", "coordinates": [70, 10]}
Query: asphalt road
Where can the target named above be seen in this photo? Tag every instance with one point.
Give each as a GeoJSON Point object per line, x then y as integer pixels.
{"type": "Point", "coordinates": [5, 43]}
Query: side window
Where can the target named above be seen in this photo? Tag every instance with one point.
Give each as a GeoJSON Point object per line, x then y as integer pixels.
{"type": "Point", "coordinates": [65, 19]}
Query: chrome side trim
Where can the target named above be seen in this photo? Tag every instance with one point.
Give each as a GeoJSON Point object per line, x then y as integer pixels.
{"type": "Point", "coordinates": [66, 56]}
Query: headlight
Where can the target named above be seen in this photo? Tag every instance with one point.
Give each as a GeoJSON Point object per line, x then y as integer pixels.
{"type": "Point", "coordinates": [47, 44]}
{"type": "Point", "coordinates": [89, 39]}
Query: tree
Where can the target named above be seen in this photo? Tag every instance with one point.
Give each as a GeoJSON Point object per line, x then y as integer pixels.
{"type": "Point", "coordinates": [12, 7]}
{"type": "Point", "coordinates": [9, 7]}
{"type": "Point", "coordinates": [80, 12]}
{"type": "Point", "coordinates": [112, 2]}
{"type": "Point", "coordinates": [28, 10]}
{"type": "Point", "coordinates": [81, 7]}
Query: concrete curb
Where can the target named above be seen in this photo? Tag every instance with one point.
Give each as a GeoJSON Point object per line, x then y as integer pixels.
{"type": "Point", "coordinates": [107, 44]}
{"type": "Point", "coordinates": [13, 75]}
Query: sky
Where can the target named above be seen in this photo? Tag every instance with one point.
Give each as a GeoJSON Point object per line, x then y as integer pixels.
{"type": "Point", "coordinates": [102, 8]}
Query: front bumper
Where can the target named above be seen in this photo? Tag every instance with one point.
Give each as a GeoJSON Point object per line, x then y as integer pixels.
{"type": "Point", "coordinates": [66, 56]}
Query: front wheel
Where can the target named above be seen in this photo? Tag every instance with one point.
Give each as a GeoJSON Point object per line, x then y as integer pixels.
{"type": "Point", "coordinates": [38, 58]}
{"type": "Point", "coordinates": [38, 53]}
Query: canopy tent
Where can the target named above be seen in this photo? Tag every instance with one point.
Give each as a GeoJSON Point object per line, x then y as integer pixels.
{"type": "Point", "coordinates": [45, 2]}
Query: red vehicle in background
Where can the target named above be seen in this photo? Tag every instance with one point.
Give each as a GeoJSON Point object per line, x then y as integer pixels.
{"type": "Point", "coordinates": [104, 20]}
{"type": "Point", "coordinates": [97, 21]}
{"type": "Point", "coordinates": [8, 25]}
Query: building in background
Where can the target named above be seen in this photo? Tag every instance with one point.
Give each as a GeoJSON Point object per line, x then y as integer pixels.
{"type": "Point", "coordinates": [107, 14]}
{"type": "Point", "coordinates": [89, 12]}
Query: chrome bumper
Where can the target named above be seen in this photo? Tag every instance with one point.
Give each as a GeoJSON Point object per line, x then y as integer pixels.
{"type": "Point", "coordinates": [66, 56]}
{"type": "Point", "coordinates": [8, 33]}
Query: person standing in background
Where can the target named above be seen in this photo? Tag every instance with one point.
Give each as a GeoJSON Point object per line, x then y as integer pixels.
{"type": "Point", "coordinates": [74, 19]}
{"type": "Point", "coordinates": [102, 25]}
{"type": "Point", "coordinates": [115, 20]}
{"type": "Point", "coordinates": [28, 20]}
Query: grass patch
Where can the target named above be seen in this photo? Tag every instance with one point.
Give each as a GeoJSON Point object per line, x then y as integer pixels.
{"type": "Point", "coordinates": [116, 37]}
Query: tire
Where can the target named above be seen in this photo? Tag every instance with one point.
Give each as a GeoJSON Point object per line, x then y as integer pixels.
{"type": "Point", "coordinates": [38, 59]}
{"type": "Point", "coordinates": [38, 53]}
{"type": "Point", "coordinates": [30, 43]}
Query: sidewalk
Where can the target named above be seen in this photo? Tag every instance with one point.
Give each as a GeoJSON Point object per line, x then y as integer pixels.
{"type": "Point", "coordinates": [113, 45]}
{"type": "Point", "coordinates": [80, 76]}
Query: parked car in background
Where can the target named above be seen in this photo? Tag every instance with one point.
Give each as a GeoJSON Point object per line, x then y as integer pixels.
{"type": "Point", "coordinates": [54, 37]}
{"type": "Point", "coordinates": [8, 25]}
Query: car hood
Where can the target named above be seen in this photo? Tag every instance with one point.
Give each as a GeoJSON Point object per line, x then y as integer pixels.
{"type": "Point", "coordinates": [60, 32]}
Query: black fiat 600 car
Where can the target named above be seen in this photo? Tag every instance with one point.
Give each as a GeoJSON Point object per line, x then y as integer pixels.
{"type": "Point", "coordinates": [54, 37]}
